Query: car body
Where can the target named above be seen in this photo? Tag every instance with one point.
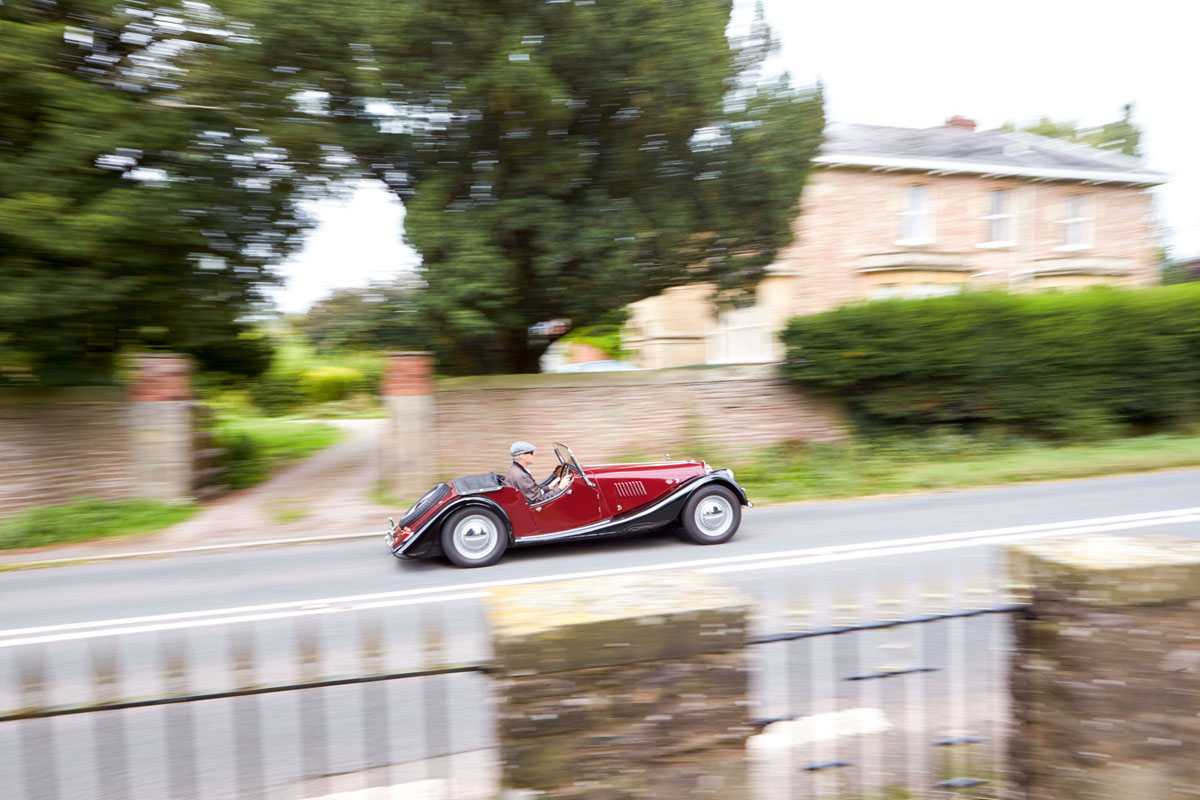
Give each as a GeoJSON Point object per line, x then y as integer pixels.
{"type": "Point", "coordinates": [474, 519]}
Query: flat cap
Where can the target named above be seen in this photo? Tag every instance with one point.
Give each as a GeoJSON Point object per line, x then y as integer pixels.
{"type": "Point", "coordinates": [520, 448]}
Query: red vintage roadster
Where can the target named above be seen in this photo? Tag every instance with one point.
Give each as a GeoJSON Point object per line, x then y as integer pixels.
{"type": "Point", "coordinates": [473, 520]}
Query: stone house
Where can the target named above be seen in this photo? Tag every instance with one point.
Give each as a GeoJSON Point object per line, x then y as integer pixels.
{"type": "Point", "coordinates": [905, 212]}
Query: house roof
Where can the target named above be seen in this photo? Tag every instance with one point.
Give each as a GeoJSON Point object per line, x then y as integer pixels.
{"type": "Point", "coordinates": [949, 149]}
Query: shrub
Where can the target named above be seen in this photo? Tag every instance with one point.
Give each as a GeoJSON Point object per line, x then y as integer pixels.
{"type": "Point", "coordinates": [326, 384]}
{"type": "Point", "coordinates": [1068, 365]}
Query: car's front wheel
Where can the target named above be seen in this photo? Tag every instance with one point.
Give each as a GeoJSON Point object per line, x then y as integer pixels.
{"type": "Point", "coordinates": [474, 537]}
{"type": "Point", "coordinates": [711, 516]}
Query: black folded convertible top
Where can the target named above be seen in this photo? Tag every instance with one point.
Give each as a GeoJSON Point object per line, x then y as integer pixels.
{"type": "Point", "coordinates": [476, 484]}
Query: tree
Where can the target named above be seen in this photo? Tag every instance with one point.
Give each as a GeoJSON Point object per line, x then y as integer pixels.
{"type": "Point", "coordinates": [380, 317]}
{"type": "Point", "coordinates": [149, 163]}
{"type": "Point", "coordinates": [559, 161]}
{"type": "Point", "coordinates": [1120, 136]}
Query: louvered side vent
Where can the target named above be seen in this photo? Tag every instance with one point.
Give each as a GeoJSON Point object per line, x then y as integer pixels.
{"type": "Point", "coordinates": [631, 489]}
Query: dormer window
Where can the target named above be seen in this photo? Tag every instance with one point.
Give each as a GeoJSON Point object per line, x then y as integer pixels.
{"type": "Point", "coordinates": [916, 218]}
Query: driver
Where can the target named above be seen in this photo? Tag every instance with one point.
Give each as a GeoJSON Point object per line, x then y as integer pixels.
{"type": "Point", "coordinates": [519, 476]}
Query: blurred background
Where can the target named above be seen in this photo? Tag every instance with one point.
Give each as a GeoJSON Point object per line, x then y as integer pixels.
{"type": "Point", "coordinates": [269, 270]}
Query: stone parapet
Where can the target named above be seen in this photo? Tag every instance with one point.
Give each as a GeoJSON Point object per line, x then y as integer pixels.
{"type": "Point", "coordinates": [1106, 674]}
{"type": "Point", "coordinates": [623, 687]}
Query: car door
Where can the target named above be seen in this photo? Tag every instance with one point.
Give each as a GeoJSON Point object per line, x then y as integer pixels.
{"type": "Point", "coordinates": [578, 506]}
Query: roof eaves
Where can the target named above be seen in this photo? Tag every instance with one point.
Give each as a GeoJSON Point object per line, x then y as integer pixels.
{"type": "Point", "coordinates": [950, 165]}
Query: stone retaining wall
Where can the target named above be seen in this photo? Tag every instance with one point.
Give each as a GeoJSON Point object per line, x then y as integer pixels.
{"type": "Point", "coordinates": [730, 412]}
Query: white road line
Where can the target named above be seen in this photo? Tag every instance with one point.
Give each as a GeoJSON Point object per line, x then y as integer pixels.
{"type": "Point", "coordinates": [891, 551]}
{"type": "Point", "coordinates": [201, 623]}
{"type": "Point", "coordinates": [749, 562]}
{"type": "Point", "coordinates": [208, 547]}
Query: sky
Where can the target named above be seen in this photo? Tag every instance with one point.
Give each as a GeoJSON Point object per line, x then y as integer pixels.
{"type": "Point", "coordinates": [910, 64]}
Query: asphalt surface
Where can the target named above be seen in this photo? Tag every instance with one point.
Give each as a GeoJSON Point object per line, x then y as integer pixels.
{"type": "Point", "coordinates": [809, 565]}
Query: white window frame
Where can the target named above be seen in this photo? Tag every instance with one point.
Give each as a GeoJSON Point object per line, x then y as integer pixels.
{"type": "Point", "coordinates": [1078, 223]}
{"type": "Point", "coordinates": [916, 223]}
{"type": "Point", "coordinates": [1000, 214]}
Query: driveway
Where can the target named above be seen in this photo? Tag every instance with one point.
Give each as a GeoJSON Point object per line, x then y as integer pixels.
{"type": "Point", "coordinates": [324, 494]}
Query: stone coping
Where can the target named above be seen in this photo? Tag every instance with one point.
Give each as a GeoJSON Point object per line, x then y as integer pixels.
{"type": "Point", "coordinates": [619, 619]}
{"type": "Point", "coordinates": [638, 377]}
{"type": "Point", "coordinates": [22, 395]}
{"type": "Point", "coordinates": [1111, 570]}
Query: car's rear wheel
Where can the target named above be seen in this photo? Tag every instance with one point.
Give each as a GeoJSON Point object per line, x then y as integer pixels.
{"type": "Point", "coordinates": [711, 516]}
{"type": "Point", "coordinates": [474, 537]}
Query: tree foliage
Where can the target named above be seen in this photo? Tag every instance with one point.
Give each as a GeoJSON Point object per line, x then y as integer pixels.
{"type": "Point", "coordinates": [1054, 363]}
{"type": "Point", "coordinates": [557, 160]}
{"type": "Point", "coordinates": [1119, 136]}
{"type": "Point", "coordinates": [148, 171]}
{"type": "Point", "coordinates": [561, 160]}
{"type": "Point", "coordinates": [380, 317]}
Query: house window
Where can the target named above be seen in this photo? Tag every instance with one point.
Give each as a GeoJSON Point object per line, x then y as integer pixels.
{"type": "Point", "coordinates": [999, 219]}
{"type": "Point", "coordinates": [1077, 223]}
{"type": "Point", "coordinates": [916, 220]}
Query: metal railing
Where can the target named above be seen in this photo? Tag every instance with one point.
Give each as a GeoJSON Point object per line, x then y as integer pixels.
{"type": "Point", "coordinates": [286, 709]}
{"type": "Point", "coordinates": [931, 720]}
{"type": "Point", "coordinates": [909, 706]}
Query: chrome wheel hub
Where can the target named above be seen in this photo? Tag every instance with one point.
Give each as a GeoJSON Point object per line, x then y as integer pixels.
{"type": "Point", "coordinates": [475, 537]}
{"type": "Point", "coordinates": [714, 515]}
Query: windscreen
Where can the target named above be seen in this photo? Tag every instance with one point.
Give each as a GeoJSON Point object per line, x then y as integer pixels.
{"type": "Point", "coordinates": [565, 456]}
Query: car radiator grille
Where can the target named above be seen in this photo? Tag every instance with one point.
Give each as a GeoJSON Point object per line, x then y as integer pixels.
{"type": "Point", "coordinates": [427, 502]}
{"type": "Point", "coordinates": [631, 489]}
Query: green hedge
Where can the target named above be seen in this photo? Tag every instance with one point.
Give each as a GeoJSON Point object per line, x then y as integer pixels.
{"type": "Point", "coordinates": [1070, 364]}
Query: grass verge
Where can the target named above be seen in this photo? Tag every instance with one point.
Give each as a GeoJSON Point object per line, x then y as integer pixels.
{"type": "Point", "coordinates": [814, 471]}
{"type": "Point", "coordinates": [88, 518]}
{"type": "Point", "coordinates": [257, 446]}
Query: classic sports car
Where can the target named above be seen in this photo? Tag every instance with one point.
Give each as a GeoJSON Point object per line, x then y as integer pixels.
{"type": "Point", "coordinates": [473, 520]}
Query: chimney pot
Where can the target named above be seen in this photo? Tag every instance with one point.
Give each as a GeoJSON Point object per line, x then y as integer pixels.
{"type": "Point", "coordinates": [958, 121]}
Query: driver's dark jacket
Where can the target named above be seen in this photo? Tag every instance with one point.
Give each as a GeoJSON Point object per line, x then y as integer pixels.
{"type": "Point", "coordinates": [519, 477]}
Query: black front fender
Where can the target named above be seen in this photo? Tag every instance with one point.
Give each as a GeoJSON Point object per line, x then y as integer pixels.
{"type": "Point", "coordinates": [725, 478]}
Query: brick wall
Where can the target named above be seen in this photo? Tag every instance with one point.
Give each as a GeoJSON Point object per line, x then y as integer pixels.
{"type": "Point", "coordinates": [62, 443]}
{"type": "Point", "coordinates": [111, 442]}
{"type": "Point", "coordinates": [730, 412]}
{"type": "Point", "coordinates": [408, 374]}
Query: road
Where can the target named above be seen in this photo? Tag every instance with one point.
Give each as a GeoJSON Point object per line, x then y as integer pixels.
{"type": "Point", "coordinates": [808, 564]}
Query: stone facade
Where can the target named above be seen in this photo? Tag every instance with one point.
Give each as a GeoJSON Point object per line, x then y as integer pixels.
{"type": "Point", "coordinates": [848, 245]}
{"type": "Point", "coordinates": [728, 412]}
{"type": "Point", "coordinates": [1106, 673]}
{"type": "Point", "coordinates": [623, 687]}
{"type": "Point", "coordinates": [105, 441]}
{"type": "Point", "coordinates": [852, 243]}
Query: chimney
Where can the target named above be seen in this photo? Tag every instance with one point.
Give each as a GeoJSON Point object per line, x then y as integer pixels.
{"type": "Point", "coordinates": [960, 122]}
